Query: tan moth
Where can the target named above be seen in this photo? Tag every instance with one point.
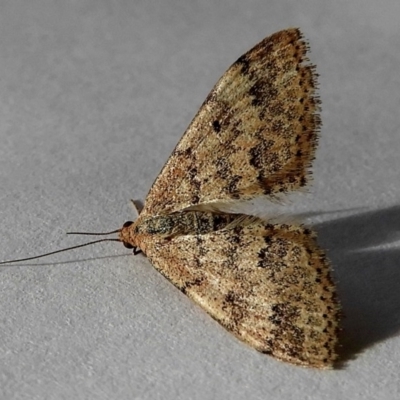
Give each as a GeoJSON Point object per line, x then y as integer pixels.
{"type": "Point", "coordinates": [254, 136]}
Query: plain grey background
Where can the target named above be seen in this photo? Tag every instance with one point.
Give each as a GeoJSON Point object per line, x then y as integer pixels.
{"type": "Point", "coordinates": [94, 95]}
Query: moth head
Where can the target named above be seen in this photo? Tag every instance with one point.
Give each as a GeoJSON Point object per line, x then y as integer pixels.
{"type": "Point", "coordinates": [126, 235]}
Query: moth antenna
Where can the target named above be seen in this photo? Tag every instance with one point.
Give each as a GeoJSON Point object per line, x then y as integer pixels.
{"type": "Point", "coordinates": [59, 251]}
{"type": "Point", "coordinates": [94, 233]}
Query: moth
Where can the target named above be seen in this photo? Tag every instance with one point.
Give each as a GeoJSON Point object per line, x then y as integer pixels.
{"type": "Point", "coordinates": [255, 135]}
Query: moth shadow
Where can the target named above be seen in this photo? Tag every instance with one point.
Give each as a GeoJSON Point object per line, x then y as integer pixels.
{"type": "Point", "coordinates": [367, 276]}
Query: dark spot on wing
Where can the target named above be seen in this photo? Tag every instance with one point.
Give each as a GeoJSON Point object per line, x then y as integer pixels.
{"type": "Point", "coordinates": [217, 126]}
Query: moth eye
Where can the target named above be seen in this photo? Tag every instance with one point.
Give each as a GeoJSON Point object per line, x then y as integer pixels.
{"type": "Point", "coordinates": [127, 245]}
{"type": "Point", "coordinates": [127, 223]}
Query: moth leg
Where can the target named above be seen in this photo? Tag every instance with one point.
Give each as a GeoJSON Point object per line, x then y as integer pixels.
{"type": "Point", "coordinates": [136, 251]}
{"type": "Point", "coordinates": [137, 206]}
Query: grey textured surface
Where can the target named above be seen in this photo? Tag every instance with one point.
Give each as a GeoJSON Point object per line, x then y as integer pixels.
{"type": "Point", "coordinates": [93, 97]}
